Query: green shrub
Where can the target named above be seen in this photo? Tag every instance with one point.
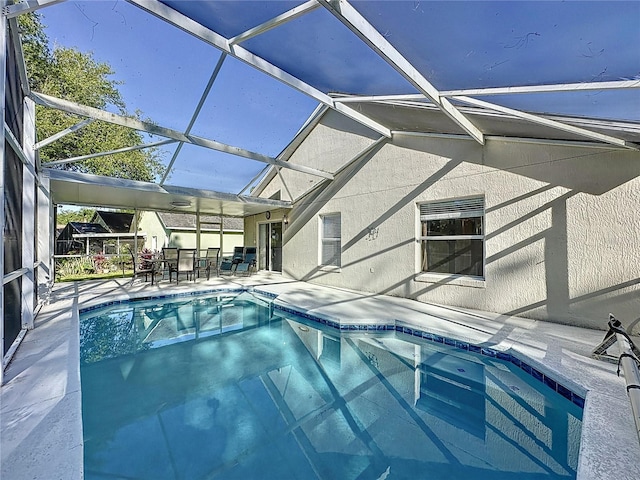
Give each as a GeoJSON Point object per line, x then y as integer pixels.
{"type": "Point", "coordinates": [74, 266]}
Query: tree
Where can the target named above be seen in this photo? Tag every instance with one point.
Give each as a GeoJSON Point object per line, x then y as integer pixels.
{"type": "Point", "coordinates": [72, 75]}
{"type": "Point", "coordinates": [82, 215]}
{"type": "Point", "coordinates": [35, 46]}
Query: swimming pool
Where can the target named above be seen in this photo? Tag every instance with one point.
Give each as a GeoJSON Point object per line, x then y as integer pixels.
{"type": "Point", "coordinates": [223, 386]}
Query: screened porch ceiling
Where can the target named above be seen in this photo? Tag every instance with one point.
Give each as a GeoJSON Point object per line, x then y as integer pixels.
{"type": "Point", "coordinates": [74, 188]}
{"type": "Point", "coordinates": [229, 84]}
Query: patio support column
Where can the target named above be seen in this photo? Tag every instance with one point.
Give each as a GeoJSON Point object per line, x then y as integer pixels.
{"type": "Point", "coordinates": [28, 212]}
{"type": "Point", "coordinates": [3, 76]}
{"type": "Point", "coordinates": [198, 234]}
{"type": "Point", "coordinates": [55, 226]}
{"type": "Point", "coordinates": [46, 236]}
{"type": "Point", "coordinates": [135, 233]}
{"type": "Point", "coordinates": [221, 237]}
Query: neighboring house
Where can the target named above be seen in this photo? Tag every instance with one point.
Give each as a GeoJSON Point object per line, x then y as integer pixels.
{"type": "Point", "coordinates": [74, 239]}
{"type": "Point", "coordinates": [536, 222]}
{"type": "Point", "coordinates": [107, 232]}
{"type": "Point", "coordinates": [165, 229]}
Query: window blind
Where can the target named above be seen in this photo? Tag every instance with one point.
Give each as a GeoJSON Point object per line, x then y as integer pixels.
{"type": "Point", "coordinates": [331, 226]}
{"type": "Point", "coordinates": [460, 208]}
{"type": "Point", "coordinates": [331, 240]}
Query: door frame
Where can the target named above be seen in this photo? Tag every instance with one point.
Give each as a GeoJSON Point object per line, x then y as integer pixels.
{"type": "Point", "coordinates": [268, 248]}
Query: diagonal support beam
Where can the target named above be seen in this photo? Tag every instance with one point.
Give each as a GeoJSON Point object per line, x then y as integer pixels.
{"type": "Point", "coordinates": [207, 35]}
{"type": "Point", "coordinates": [62, 133]}
{"type": "Point", "coordinates": [14, 30]}
{"type": "Point", "coordinates": [309, 203]}
{"type": "Point", "coordinates": [258, 175]}
{"type": "Point", "coordinates": [355, 22]}
{"type": "Point", "coordinates": [109, 117]}
{"type": "Point", "coordinates": [18, 150]}
{"type": "Point", "coordinates": [196, 112]}
{"type": "Point", "coordinates": [65, 161]}
{"type": "Point", "coordinates": [381, 98]}
{"type": "Point", "coordinates": [284, 184]}
{"type": "Point", "coordinates": [550, 123]}
{"type": "Point", "coordinates": [134, 123]}
{"type": "Point", "coordinates": [562, 87]}
{"type": "Point", "coordinates": [275, 22]}
{"type": "Point", "coordinates": [26, 6]}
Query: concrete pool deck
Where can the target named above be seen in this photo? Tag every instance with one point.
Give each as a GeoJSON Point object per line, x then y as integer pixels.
{"type": "Point", "coordinates": [40, 402]}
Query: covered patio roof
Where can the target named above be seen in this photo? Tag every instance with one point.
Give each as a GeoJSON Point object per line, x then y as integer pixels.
{"type": "Point", "coordinates": [88, 190]}
{"type": "Point", "coordinates": [536, 70]}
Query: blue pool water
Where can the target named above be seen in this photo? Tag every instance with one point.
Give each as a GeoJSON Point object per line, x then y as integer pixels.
{"type": "Point", "coordinates": [220, 387]}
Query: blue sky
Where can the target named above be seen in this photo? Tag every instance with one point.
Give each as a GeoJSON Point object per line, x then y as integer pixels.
{"type": "Point", "coordinates": [164, 73]}
{"type": "Point", "coordinates": [454, 44]}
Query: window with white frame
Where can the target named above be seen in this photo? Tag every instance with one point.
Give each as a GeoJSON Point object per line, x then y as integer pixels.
{"type": "Point", "coordinates": [330, 240]}
{"type": "Point", "coordinates": [452, 237]}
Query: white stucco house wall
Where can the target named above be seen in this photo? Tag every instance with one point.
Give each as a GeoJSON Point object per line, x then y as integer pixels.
{"type": "Point", "coordinates": [547, 224]}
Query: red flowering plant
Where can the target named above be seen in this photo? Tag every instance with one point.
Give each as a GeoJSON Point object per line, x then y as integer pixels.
{"type": "Point", "coordinates": [145, 258]}
{"type": "Point", "coordinates": [100, 262]}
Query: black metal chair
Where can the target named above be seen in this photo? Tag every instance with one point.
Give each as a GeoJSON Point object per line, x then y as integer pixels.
{"type": "Point", "coordinates": [140, 267]}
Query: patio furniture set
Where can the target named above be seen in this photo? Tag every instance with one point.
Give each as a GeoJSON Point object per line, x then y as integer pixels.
{"type": "Point", "coordinates": [187, 262]}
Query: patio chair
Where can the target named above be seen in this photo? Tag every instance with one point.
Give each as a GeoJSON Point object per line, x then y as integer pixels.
{"type": "Point", "coordinates": [229, 265]}
{"type": "Point", "coordinates": [170, 257]}
{"type": "Point", "coordinates": [140, 267]}
{"type": "Point", "coordinates": [238, 255]}
{"type": "Point", "coordinates": [210, 262]}
{"type": "Point", "coordinates": [248, 263]}
{"type": "Point", "coordinates": [186, 263]}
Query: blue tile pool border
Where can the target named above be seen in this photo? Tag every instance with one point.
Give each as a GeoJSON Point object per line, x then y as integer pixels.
{"type": "Point", "coordinates": [546, 380]}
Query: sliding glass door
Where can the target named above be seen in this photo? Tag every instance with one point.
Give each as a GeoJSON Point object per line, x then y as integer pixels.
{"type": "Point", "coordinates": [270, 246]}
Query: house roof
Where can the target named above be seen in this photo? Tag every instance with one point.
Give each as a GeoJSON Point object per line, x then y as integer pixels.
{"type": "Point", "coordinates": [424, 117]}
{"type": "Point", "coordinates": [116, 222]}
{"type": "Point", "coordinates": [87, 227]}
{"type": "Point", "coordinates": [177, 221]}
{"type": "Point", "coordinates": [411, 117]}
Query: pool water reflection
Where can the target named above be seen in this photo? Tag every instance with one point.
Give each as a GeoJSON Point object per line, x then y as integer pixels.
{"type": "Point", "coordinates": [220, 387]}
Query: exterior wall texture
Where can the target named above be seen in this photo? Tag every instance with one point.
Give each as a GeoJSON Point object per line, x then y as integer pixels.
{"type": "Point", "coordinates": [561, 234]}
{"type": "Point", "coordinates": [186, 239]}
{"type": "Point", "coordinates": [151, 225]}
{"type": "Point", "coordinates": [251, 225]}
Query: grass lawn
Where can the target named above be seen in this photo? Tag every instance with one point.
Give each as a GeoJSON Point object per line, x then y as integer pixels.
{"type": "Point", "coordinates": [95, 276]}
